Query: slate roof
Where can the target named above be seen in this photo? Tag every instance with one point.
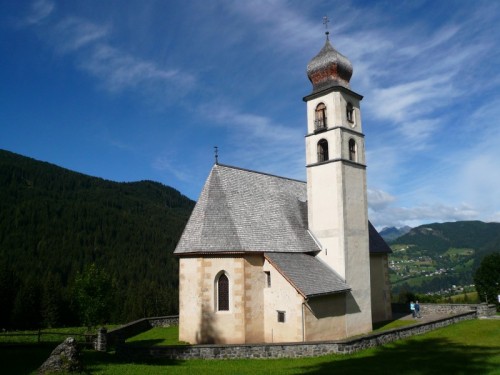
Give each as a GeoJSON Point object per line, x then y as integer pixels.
{"type": "Point", "coordinates": [308, 274]}
{"type": "Point", "coordinates": [246, 211]}
{"type": "Point", "coordinates": [377, 243]}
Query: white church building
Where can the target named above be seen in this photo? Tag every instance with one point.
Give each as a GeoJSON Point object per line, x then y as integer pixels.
{"type": "Point", "coordinates": [271, 259]}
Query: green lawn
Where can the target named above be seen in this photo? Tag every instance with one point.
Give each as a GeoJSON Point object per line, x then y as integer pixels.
{"type": "Point", "coordinates": [157, 336]}
{"type": "Point", "coordinates": [169, 335]}
{"type": "Point", "coordinates": [390, 324]}
{"type": "Point", "coordinates": [471, 347]}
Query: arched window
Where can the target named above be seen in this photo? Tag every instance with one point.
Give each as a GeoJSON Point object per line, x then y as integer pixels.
{"type": "Point", "coordinates": [223, 293]}
{"type": "Point", "coordinates": [352, 150]}
{"type": "Point", "coordinates": [320, 117]}
{"type": "Point", "coordinates": [349, 112]}
{"type": "Point", "coordinates": [322, 150]}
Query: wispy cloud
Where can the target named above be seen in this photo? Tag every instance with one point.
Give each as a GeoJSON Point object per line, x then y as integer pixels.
{"type": "Point", "coordinates": [118, 70]}
{"type": "Point", "coordinates": [260, 142]}
{"type": "Point", "coordinates": [429, 84]}
{"type": "Point", "coordinates": [40, 10]}
{"type": "Point", "coordinates": [115, 68]}
{"type": "Point", "coordinates": [424, 213]}
{"type": "Point", "coordinates": [73, 33]}
{"type": "Point", "coordinates": [378, 199]}
{"type": "Point", "coordinates": [167, 163]}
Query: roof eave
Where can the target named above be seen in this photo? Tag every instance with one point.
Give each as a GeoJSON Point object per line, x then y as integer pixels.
{"type": "Point", "coordinates": [309, 296]}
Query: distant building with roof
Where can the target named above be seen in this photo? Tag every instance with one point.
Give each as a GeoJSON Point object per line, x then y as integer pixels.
{"type": "Point", "coordinates": [272, 259]}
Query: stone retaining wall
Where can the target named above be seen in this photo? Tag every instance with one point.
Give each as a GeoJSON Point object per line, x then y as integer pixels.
{"type": "Point", "coordinates": [119, 335]}
{"type": "Point", "coordinates": [286, 350]}
{"type": "Point", "coordinates": [483, 310]}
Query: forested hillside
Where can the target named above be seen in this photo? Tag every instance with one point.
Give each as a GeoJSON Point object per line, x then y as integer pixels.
{"type": "Point", "coordinates": [434, 257]}
{"type": "Point", "coordinates": [55, 223]}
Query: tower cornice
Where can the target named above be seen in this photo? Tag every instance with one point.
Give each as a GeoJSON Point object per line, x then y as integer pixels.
{"type": "Point", "coordinates": [338, 160]}
{"type": "Point", "coordinates": [328, 90]}
{"type": "Point", "coordinates": [343, 128]}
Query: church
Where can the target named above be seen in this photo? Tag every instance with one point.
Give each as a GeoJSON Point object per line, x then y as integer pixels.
{"type": "Point", "coordinates": [268, 259]}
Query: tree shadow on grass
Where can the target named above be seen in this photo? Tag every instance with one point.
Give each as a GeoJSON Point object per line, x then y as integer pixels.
{"type": "Point", "coordinates": [428, 356]}
{"type": "Point", "coordinates": [23, 359]}
{"type": "Point", "coordinates": [97, 362]}
{"type": "Point", "coordinates": [144, 343]}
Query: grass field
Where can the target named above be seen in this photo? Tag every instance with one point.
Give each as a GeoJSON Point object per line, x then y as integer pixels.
{"type": "Point", "coordinates": [471, 347]}
{"type": "Point", "coordinates": [157, 336]}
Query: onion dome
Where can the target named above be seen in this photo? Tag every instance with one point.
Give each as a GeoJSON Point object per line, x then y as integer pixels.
{"type": "Point", "coordinates": [329, 68]}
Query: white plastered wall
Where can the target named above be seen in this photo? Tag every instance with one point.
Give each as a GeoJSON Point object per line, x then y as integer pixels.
{"type": "Point", "coordinates": [337, 203]}
{"type": "Point", "coordinates": [282, 296]}
{"type": "Point", "coordinates": [381, 289]}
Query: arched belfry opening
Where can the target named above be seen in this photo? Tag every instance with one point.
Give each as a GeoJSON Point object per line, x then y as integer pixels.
{"type": "Point", "coordinates": [350, 112]}
{"type": "Point", "coordinates": [353, 150]}
{"type": "Point", "coordinates": [322, 150]}
{"type": "Point", "coordinates": [320, 117]}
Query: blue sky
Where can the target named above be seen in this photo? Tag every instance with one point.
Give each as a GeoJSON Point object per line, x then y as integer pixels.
{"type": "Point", "coordinates": [134, 90]}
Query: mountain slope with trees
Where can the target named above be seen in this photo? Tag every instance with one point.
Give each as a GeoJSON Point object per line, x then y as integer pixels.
{"type": "Point", "coordinates": [434, 257]}
{"type": "Point", "coordinates": [55, 223]}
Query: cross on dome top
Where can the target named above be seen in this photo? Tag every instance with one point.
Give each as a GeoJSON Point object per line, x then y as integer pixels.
{"type": "Point", "coordinates": [329, 67]}
{"type": "Point", "coordinates": [326, 20]}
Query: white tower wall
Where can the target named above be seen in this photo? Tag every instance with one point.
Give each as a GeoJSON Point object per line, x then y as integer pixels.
{"type": "Point", "coordinates": [337, 201]}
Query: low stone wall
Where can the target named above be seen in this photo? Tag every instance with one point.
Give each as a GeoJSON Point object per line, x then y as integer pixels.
{"type": "Point", "coordinates": [482, 309]}
{"type": "Point", "coordinates": [287, 350]}
{"type": "Point", "coordinates": [442, 308]}
{"type": "Point", "coordinates": [164, 321]}
{"type": "Point", "coordinates": [119, 335]}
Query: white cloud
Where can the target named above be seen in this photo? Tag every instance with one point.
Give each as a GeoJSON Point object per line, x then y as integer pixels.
{"type": "Point", "coordinates": [378, 199]}
{"type": "Point", "coordinates": [116, 68]}
{"type": "Point", "coordinates": [74, 33]}
{"type": "Point", "coordinates": [412, 100]}
{"type": "Point", "coordinates": [422, 214]}
{"type": "Point", "coordinates": [40, 10]}
{"type": "Point", "coordinates": [168, 164]}
{"type": "Point", "coordinates": [259, 142]}
{"type": "Point", "coordinates": [251, 125]}
{"type": "Point", "coordinates": [440, 37]}
{"type": "Point", "coordinates": [281, 24]}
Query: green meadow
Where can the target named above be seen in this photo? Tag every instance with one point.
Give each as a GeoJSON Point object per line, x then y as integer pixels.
{"type": "Point", "coordinates": [471, 347]}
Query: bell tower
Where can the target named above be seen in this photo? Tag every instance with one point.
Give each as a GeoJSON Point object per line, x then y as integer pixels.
{"type": "Point", "coordinates": [336, 180]}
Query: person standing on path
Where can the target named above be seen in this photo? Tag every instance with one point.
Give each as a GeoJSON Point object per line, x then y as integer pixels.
{"type": "Point", "coordinates": [417, 310]}
{"type": "Point", "coordinates": [412, 308]}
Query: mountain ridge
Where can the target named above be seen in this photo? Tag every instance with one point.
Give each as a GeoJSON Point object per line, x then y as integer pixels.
{"type": "Point", "coordinates": [55, 222]}
{"type": "Point", "coordinates": [389, 234]}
